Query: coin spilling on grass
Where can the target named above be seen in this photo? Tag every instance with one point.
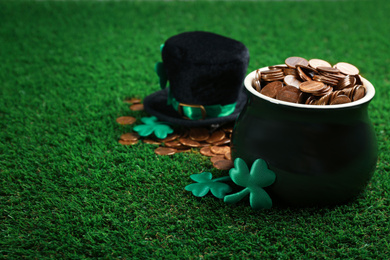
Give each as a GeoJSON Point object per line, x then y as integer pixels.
{"type": "Point", "coordinates": [130, 137]}
{"type": "Point", "coordinates": [126, 120]}
{"type": "Point", "coordinates": [223, 164]}
{"type": "Point", "coordinates": [165, 151]}
{"type": "Point", "coordinates": [137, 107]}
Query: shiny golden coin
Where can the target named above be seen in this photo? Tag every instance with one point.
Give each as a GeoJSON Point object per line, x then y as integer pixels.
{"type": "Point", "coordinates": [292, 62]}
{"type": "Point", "coordinates": [223, 142]}
{"type": "Point", "coordinates": [272, 89]}
{"type": "Point", "coordinates": [151, 141]}
{"type": "Point", "coordinates": [328, 69]}
{"type": "Point", "coordinates": [347, 68]}
{"type": "Point", "coordinates": [220, 149]}
{"type": "Point", "coordinates": [342, 99]}
{"type": "Point", "coordinates": [128, 142]}
{"type": "Point", "coordinates": [130, 137]}
{"type": "Point", "coordinates": [126, 120]}
{"type": "Point", "coordinates": [256, 84]}
{"type": "Point", "coordinates": [217, 158]}
{"type": "Point", "coordinates": [170, 137]}
{"type": "Point", "coordinates": [165, 151]}
{"type": "Point", "coordinates": [215, 137]}
{"type": "Point", "coordinates": [207, 152]}
{"type": "Point", "coordinates": [137, 107]}
{"type": "Point", "coordinates": [258, 74]}
{"type": "Point", "coordinates": [228, 156]}
{"type": "Point", "coordinates": [289, 94]}
{"type": "Point", "coordinates": [292, 81]}
{"type": "Point", "coordinates": [199, 134]}
{"type": "Point", "coordinates": [359, 93]}
{"type": "Point", "coordinates": [173, 144]}
{"type": "Point", "coordinates": [314, 63]}
{"type": "Point", "coordinates": [312, 86]}
{"type": "Point", "coordinates": [223, 165]}
{"type": "Point", "coordinates": [189, 142]}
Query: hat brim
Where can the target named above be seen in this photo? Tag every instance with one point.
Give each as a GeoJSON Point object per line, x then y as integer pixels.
{"type": "Point", "coordinates": [156, 105]}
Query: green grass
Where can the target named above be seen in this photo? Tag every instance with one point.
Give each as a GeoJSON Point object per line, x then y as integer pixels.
{"type": "Point", "coordinates": [69, 190]}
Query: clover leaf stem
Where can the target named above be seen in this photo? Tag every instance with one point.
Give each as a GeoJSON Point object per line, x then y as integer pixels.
{"type": "Point", "coordinates": [233, 198]}
{"type": "Point", "coordinates": [224, 178]}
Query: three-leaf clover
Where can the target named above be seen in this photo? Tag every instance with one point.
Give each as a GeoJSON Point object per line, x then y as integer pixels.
{"type": "Point", "coordinates": [254, 180]}
{"type": "Point", "coordinates": [151, 125]}
{"type": "Point", "coordinates": [205, 184]}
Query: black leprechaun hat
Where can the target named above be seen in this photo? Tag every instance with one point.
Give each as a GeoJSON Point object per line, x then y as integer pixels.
{"type": "Point", "coordinates": [205, 74]}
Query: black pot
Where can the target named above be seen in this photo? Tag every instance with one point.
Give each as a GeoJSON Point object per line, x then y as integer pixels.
{"type": "Point", "coordinates": [321, 155]}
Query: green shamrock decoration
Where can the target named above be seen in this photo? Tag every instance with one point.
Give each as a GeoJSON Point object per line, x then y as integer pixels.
{"type": "Point", "coordinates": [254, 180]}
{"type": "Point", "coordinates": [205, 184]}
{"type": "Point", "coordinates": [151, 125]}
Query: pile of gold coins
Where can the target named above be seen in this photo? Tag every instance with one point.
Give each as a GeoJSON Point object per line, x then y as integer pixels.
{"type": "Point", "coordinates": [311, 82]}
{"type": "Point", "coordinates": [210, 142]}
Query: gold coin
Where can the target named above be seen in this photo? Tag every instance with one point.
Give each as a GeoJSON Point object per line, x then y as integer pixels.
{"type": "Point", "coordinates": [347, 68]}
{"type": "Point", "coordinates": [126, 120]}
{"type": "Point", "coordinates": [215, 137]}
{"type": "Point", "coordinates": [207, 152]}
{"type": "Point", "coordinates": [359, 93]}
{"type": "Point", "coordinates": [228, 156]}
{"type": "Point", "coordinates": [128, 142]}
{"type": "Point", "coordinates": [289, 94]}
{"type": "Point", "coordinates": [292, 81]}
{"type": "Point", "coordinates": [189, 142]}
{"type": "Point", "coordinates": [223, 164]}
{"type": "Point", "coordinates": [292, 62]}
{"type": "Point", "coordinates": [328, 69]}
{"type": "Point", "coordinates": [170, 137]}
{"type": "Point", "coordinates": [130, 137]}
{"type": "Point", "coordinates": [137, 107]}
{"type": "Point", "coordinates": [220, 149]}
{"type": "Point", "coordinates": [311, 86]}
{"type": "Point", "coordinates": [272, 89]}
{"type": "Point", "coordinates": [256, 84]}
{"type": "Point", "coordinates": [302, 74]}
{"type": "Point", "coordinates": [342, 99]}
{"type": "Point", "coordinates": [314, 63]}
{"type": "Point", "coordinates": [165, 151]}
{"type": "Point", "coordinates": [173, 144]}
{"type": "Point", "coordinates": [217, 158]}
{"type": "Point", "coordinates": [151, 141]}
{"type": "Point", "coordinates": [199, 134]}
{"type": "Point", "coordinates": [222, 142]}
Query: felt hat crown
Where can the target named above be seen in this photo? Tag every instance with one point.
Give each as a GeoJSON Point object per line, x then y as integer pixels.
{"type": "Point", "coordinates": [205, 72]}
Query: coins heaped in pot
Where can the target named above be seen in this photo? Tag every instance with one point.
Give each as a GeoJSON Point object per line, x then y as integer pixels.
{"type": "Point", "coordinates": [347, 68]}
{"type": "Point", "coordinates": [315, 63]}
{"type": "Point", "coordinates": [292, 62]}
{"type": "Point", "coordinates": [271, 89]}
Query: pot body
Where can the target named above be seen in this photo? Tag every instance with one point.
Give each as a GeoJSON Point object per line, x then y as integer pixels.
{"type": "Point", "coordinates": [321, 156]}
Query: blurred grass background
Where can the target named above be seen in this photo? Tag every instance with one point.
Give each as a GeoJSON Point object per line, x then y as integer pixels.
{"type": "Point", "coordinates": [69, 190]}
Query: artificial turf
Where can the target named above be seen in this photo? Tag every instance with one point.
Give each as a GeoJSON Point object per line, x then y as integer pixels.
{"type": "Point", "coordinates": [69, 190]}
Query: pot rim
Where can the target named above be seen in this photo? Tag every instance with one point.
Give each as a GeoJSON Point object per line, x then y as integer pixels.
{"type": "Point", "coordinates": [369, 95]}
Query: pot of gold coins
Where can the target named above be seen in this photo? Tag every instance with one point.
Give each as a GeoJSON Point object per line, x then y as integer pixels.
{"type": "Point", "coordinates": [308, 120]}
